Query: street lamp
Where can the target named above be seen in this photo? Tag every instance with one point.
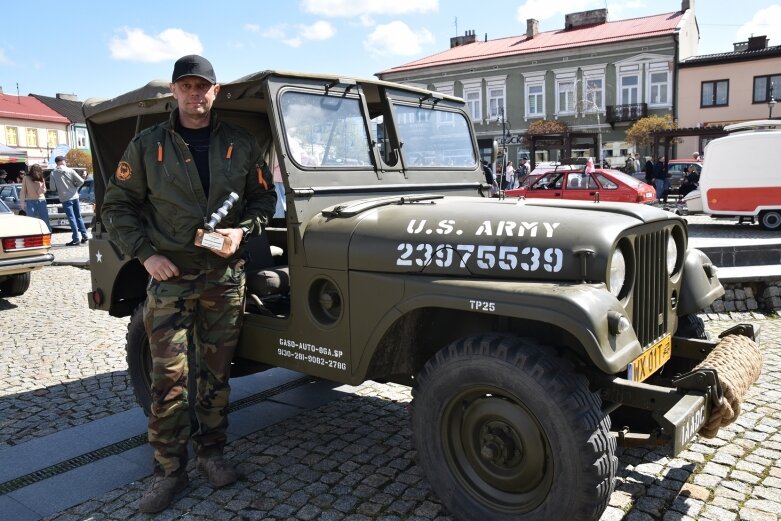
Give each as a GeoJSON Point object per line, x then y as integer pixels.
{"type": "Point", "coordinates": [505, 124]}
{"type": "Point", "coordinates": [771, 103]}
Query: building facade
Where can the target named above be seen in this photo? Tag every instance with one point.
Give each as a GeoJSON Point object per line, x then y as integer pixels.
{"type": "Point", "coordinates": [594, 75]}
{"type": "Point", "coordinates": [68, 105]}
{"type": "Point", "coordinates": [729, 87]}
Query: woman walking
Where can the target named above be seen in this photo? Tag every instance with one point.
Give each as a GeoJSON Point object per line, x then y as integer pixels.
{"type": "Point", "coordinates": [34, 194]}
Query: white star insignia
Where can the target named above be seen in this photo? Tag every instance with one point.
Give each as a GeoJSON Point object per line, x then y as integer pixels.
{"type": "Point", "coordinates": [98, 256]}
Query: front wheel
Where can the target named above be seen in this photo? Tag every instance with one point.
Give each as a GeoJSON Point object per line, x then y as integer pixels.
{"type": "Point", "coordinates": [507, 430]}
{"type": "Point", "coordinates": [770, 220]}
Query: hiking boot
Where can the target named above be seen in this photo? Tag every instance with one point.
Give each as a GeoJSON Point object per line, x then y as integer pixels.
{"type": "Point", "coordinates": [162, 492]}
{"type": "Point", "coordinates": [220, 472]}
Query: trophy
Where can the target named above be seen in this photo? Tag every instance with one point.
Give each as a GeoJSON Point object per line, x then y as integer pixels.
{"type": "Point", "coordinates": [208, 238]}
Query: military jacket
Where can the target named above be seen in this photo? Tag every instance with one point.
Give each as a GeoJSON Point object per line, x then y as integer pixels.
{"type": "Point", "coordinates": [155, 202]}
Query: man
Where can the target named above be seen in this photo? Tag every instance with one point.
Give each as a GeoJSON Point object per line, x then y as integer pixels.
{"type": "Point", "coordinates": [172, 177]}
{"type": "Point", "coordinates": [67, 182]}
{"type": "Point", "coordinates": [660, 179]}
{"type": "Point", "coordinates": [3, 177]}
{"type": "Point", "coordinates": [523, 169]}
{"type": "Point", "coordinates": [630, 167]}
{"type": "Point", "coordinates": [696, 156]}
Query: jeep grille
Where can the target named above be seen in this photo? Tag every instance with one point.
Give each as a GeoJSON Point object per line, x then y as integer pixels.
{"type": "Point", "coordinates": [649, 313]}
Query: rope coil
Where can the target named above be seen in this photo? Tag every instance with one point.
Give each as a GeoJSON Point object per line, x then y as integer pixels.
{"type": "Point", "coordinates": [737, 361]}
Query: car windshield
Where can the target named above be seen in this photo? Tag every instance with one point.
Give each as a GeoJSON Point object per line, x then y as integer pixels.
{"type": "Point", "coordinates": [4, 208]}
{"type": "Point", "coordinates": [626, 178]}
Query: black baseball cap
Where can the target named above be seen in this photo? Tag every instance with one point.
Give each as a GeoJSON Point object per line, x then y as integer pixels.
{"type": "Point", "coordinates": [193, 65]}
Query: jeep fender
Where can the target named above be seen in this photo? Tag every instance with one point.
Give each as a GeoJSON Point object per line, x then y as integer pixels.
{"type": "Point", "coordinates": [579, 309]}
{"type": "Point", "coordinates": [700, 285]}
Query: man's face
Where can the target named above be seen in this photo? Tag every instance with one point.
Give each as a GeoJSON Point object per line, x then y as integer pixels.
{"type": "Point", "coordinates": [194, 95]}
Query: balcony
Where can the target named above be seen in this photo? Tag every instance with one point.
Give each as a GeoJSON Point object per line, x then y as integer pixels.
{"type": "Point", "coordinates": [619, 113]}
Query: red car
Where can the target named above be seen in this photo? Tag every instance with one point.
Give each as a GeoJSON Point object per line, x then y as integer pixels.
{"type": "Point", "coordinates": [608, 185]}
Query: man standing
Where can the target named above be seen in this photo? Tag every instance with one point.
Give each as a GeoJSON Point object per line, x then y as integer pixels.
{"type": "Point", "coordinates": [172, 177]}
{"type": "Point", "coordinates": [67, 182]}
{"type": "Point", "coordinates": [523, 169]}
{"type": "Point", "coordinates": [630, 167]}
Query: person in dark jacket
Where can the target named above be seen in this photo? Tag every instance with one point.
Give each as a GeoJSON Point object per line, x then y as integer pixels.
{"type": "Point", "coordinates": [171, 178]}
{"type": "Point", "coordinates": [649, 172]}
{"type": "Point", "coordinates": [660, 179]}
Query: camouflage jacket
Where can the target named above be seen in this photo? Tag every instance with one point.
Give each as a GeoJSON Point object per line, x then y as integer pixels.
{"type": "Point", "coordinates": [155, 202]}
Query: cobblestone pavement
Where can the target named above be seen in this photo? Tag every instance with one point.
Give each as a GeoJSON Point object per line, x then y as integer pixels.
{"type": "Point", "coordinates": [351, 459]}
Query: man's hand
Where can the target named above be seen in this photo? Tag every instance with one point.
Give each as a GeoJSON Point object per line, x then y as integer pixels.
{"type": "Point", "coordinates": [234, 236]}
{"type": "Point", "coordinates": [161, 268]}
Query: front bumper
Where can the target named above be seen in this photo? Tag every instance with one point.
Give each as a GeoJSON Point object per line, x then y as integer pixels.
{"type": "Point", "coordinates": [702, 399]}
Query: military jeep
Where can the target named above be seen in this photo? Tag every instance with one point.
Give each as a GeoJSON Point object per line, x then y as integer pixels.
{"type": "Point", "coordinates": [524, 327]}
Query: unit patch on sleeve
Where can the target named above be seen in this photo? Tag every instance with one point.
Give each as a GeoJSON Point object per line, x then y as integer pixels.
{"type": "Point", "coordinates": [124, 172]}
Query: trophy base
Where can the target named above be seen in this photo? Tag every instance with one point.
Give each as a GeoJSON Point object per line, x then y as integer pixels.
{"type": "Point", "coordinates": [213, 241]}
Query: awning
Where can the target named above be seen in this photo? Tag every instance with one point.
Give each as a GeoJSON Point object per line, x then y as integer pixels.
{"type": "Point", "coordinates": [12, 155]}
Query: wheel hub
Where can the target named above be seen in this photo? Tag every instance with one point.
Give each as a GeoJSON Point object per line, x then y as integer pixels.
{"type": "Point", "coordinates": [499, 446]}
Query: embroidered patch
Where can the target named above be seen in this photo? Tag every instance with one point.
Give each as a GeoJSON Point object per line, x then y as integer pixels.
{"type": "Point", "coordinates": [124, 171]}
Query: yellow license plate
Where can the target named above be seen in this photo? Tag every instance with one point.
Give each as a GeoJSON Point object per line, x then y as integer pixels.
{"type": "Point", "coordinates": [646, 364]}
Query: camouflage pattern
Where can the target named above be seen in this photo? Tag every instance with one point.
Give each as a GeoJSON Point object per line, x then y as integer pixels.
{"type": "Point", "coordinates": [210, 304]}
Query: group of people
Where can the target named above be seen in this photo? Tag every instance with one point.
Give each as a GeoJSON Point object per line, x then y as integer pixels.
{"type": "Point", "coordinates": [66, 181]}
{"type": "Point", "coordinates": [508, 178]}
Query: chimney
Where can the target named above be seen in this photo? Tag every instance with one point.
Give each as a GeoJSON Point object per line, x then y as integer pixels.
{"type": "Point", "coordinates": [593, 17]}
{"type": "Point", "coordinates": [68, 97]}
{"type": "Point", "coordinates": [532, 27]}
{"type": "Point", "coordinates": [686, 5]}
{"type": "Point", "coordinates": [756, 43]}
{"type": "Point", "coordinates": [469, 37]}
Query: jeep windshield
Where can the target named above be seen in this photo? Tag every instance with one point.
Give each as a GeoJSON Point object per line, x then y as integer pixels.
{"type": "Point", "coordinates": [329, 131]}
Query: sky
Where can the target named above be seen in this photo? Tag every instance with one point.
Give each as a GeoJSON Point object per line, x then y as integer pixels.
{"type": "Point", "coordinates": [103, 49]}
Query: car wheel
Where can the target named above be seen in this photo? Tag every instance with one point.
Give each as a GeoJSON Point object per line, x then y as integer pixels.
{"type": "Point", "coordinates": [15, 285]}
{"type": "Point", "coordinates": [139, 365]}
{"type": "Point", "coordinates": [505, 429]}
{"type": "Point", "coordinates": [770, 220]}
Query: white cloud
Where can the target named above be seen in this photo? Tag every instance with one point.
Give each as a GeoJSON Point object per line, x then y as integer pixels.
{"type": "Point", "coordinates": [366, 20]}
{"type": "Point", "coordinates": [350, 8]}
{"type": "Point", "coordinates": [766, 22]}
{"type": "Point", "coordinates": [5, 60]}
{"type": "Point", "coordinates": [296, 35]}
{"type": "Point", "coordinates": [544, 9]}
{"type": "Point", "coordinates": [396, 39]}
{"type": "Point", "coordinates": [136, 45]}
{"type": "Point", "coordinates": [253, 28]}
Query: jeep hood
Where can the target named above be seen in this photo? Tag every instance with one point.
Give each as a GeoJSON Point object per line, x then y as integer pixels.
{"type": "Point", "coordinates": [477, 237]}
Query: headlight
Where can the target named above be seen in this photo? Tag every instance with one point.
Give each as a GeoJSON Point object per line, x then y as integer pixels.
{"type": "Point", "coordinates": [617, 272]}
{"type": "Point", "coordinates": [672, 254]}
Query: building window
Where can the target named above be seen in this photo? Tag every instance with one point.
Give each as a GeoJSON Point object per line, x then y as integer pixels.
{"type": "Point", "coordinates": [714, 93]}
{"type": "Point", "coordinates": [495, 102]}
{"type": "Point", "coordinates": [565, 96]}
{"type": "Point", "coordinates": [593, 94]}
{"type": "Point", "coordinates": [762, 88]}
{"type": "Point", "coordinates": [32, 137]}
{"type": "Point", "coordinates": [659, 88]}
{"type": "Point", "coordinates": [535, 99]}
{"type": "Point", "coordinates": [630, 89]}
{"type": "Point", "coordinates": [51, 138]}
{"type": "Point", "coordinates": [81, 138]}
{"type": "Point", "coordinates": [472, 99]}
{"type": "Point", "coordinates": [11, 136]}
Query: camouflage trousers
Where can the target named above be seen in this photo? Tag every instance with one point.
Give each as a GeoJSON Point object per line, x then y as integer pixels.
{"type": "Point", "coordinates": [205, 308]}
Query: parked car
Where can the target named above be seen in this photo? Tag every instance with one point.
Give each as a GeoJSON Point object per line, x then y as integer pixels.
{"type": "Point", "coordinates": [87, 191]}
{"type": "Point", "coordinates": [11, 194]}
{"type": "Point", "coordinates": [607, 185]}
{"type": "Point", "coordinates": [25, 248]}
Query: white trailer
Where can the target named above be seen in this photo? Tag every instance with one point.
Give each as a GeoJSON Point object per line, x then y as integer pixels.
{"type": "Point", "coordinates": [739, 175]}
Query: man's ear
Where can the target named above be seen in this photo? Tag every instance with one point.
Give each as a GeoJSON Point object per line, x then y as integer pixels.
{"type": "Point", "coordinates": [216, 88]}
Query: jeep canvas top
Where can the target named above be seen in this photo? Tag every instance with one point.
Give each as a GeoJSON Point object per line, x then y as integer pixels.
{"type": "Point", "coordinates": [525, 327]}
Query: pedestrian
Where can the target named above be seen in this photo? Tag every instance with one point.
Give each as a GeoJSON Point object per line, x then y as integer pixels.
{"type": "Point", "coordinates": [523, 169]}
{"type": "Point", "coordinates": [3, 177]}
{"type": "Point", "coordinates": [34, 195]}
{"type": "Point", "coordinates": [630, 167]}
{"type": "Point", "coordinates": [696, 156]}
{"type": "Point", "coordinates": [67, 182]}
{"type": "Point", "coordinates": [509, 176]}
{"type": "Point", "coordinates": [660, 179]}
{"type": "Point", "coordinates": [649, 171]}
{"type": "Point", "coordinates": [489, 178]}
{"type": "Point", "coordinates": [691, 181]}
{"type": "Point", "coordinates": [169, 171]}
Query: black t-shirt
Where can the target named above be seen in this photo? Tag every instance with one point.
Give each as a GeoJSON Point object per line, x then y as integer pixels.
{"type": "Point", "coordinates": [197, 140]}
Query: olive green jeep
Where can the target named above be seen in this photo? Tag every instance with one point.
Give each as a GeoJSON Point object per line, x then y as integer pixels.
{"type": "Point", "coordinates": [524, 327]}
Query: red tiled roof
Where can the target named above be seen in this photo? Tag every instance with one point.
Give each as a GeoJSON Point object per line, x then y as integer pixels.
{"type": "Point", "coordinates": [609, 32]}
{"type": "Point", "coordinates": [29, 108]}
